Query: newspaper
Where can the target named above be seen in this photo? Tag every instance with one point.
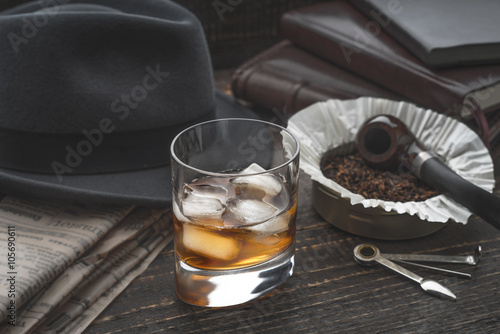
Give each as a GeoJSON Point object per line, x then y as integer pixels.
{"type": "Point", "coordinates": [81, 322]}
{"type": "Point", "coordinates": [59, 271]}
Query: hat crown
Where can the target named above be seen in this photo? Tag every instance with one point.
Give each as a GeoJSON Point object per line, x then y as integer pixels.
{"type": "Point", "coordinates": [67, 66]}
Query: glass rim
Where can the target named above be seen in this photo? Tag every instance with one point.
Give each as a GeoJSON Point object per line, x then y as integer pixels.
{"type": "Point", "coordinates": [218, 174]}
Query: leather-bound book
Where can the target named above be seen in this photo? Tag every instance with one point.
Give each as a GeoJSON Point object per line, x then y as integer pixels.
{"type": "Point", "coordinates": [342, 35]}
{"type": "Point", "coordinates": [494, 122]}
{"type": "Point", "coordinates": [289, 79]}
{"type": "Point", "coordinates": [441, 33]}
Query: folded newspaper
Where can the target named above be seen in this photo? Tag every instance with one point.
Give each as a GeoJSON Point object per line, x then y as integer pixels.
{"type": "Point", "coordinates": [62, 263]}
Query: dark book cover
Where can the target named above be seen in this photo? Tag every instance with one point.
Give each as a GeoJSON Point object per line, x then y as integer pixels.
{"type": "Point", "coordinates": [289, 79]}
{"type": "Point", "coordinates": [339, 33]}
{"type": "Point", "coordinates": [441, 33]}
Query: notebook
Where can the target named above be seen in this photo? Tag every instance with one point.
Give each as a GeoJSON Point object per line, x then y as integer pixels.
{"type": "Point", "coordinates": [441, 33]}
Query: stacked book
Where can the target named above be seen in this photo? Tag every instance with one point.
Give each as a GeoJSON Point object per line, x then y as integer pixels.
{"type": "Point", "coordinates": [417, 51]}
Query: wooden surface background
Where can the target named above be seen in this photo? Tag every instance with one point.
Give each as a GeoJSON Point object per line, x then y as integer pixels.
{"type": "Point", "coordinates": [329, 292]}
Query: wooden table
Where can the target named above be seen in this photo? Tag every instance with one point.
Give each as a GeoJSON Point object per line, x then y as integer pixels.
{"type": "Point", "coordinates": [329, 292]}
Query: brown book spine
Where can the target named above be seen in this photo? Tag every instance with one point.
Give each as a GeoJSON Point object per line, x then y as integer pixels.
{"type": "Point", "coordinates": [267, 87]}
{"type": "Point", "coordinates": [252, 83]}
{"type": "Point", "coordinates": [289, 79]}
{"type": "Point", "coordinates": [345, 41]}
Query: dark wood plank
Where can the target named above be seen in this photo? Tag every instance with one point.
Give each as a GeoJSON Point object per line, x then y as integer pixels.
{"type": "Point", "coordinates": [328, 292]}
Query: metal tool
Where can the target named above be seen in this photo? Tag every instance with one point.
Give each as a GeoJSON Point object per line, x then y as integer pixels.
{"type": "Point", "coordinates": [465, 259]}
{"type": "Point", "coordinates": [369, 255]}
{"type": "Point", "coordinates": [446, 271]}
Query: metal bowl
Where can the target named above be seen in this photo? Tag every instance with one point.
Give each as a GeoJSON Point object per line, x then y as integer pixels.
{"type": "Point", "coordinates": [367, 222]}
{"type": "Point", "coordinates": [329, 125]}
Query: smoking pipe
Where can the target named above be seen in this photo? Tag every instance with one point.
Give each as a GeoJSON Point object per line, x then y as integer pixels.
{"type": "Point", "coordinates": [385, 142]}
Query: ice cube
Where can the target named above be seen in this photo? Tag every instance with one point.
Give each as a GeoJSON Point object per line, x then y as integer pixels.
{"type": "Point", "coordinates": [177, 212]}
{"type": "Point", "coordinates": [209, 244]}
{"type": "Point", "coordinates": [275, 225]}
{"type": "Point", "coordinates": [252, 169]}
{"type": "Point", "coordinates": [271, 239]}
{"type": "Point", "coordinates": [203, 189]}
{"type": "Point", "coordinates": [250, 211]}
{"type": "Point", "coordinates": [257, 185]}
{"type": "Point", "coordinates": [273, 231]}
{"type": "Point", "coordinates": [196, 206]}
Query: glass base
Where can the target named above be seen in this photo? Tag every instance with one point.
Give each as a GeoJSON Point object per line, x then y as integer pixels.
{"type": "Point", "coordinates": [218, 288]}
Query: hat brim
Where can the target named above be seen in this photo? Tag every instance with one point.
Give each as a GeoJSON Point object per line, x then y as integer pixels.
{"type": "Point", "coordinates": [147, 187]}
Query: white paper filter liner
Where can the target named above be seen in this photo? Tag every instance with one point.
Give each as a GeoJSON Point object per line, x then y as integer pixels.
{"type": "Point", "coordinates": [326, 125]}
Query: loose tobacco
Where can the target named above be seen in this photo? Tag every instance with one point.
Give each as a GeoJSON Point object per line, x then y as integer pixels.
{"type": "Point", "coordinates": [352, 173]}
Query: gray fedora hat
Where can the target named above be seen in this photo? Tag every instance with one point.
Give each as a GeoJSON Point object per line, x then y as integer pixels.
{"type": "Point", "coordinates": [93, 92]}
